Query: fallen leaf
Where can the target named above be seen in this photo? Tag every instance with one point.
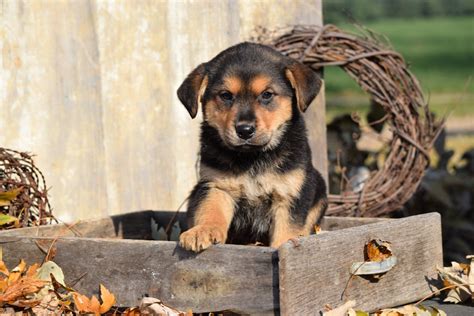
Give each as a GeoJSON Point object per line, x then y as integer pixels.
{"type": "Point", "coordinates": [413, 310]}
{"type": "Point", "coordinates": [15, 274]}
{"type": "Point", "coordinates": [460, 278]}
{"type": "Point", "coordinates": [132, 311]}
{"type": "Point", "coordinates": [48, 268]}
{"type": "Point", "coordinates": [3, 285]}
{"type": "Point", "coordinates": [4, 269]}
{"type": "Point", "coordinates": [24, 286]}
{"type": "Point", "coordinates": [25, 303]}
{"type": "Point", "coordinates": [85, 305]}
{"type": "Point", "coordinates": [47, 306]}
{"type": "Point", "coordinates": [8, 196]}
{"type": "Point", "coordinates": [81, 302]}
{"type": "Point", "coordinates": [8, 219]}
{"type": "Point", "coordinates": [154, 306]}
{"type": "Point", "coordinates": [378, 250]}
{"type": "Point", "coordinates": [108, 299]}
{"type": "Point", "coordinates": [341, 310]}
{"type": "Point", "coordinates": [317, 229]}
{"type": "Point", "coordinates": [94, 305]}
{"type": "Point", "coordinates": [470, 277]}
{"type": "Point", "coordinates": [32, 270]}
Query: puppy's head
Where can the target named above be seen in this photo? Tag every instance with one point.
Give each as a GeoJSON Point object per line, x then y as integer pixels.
{"type": "Point", "coordinates": [249, 94]}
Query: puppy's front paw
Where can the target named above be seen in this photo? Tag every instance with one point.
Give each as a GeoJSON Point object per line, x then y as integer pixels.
{"type": "Point", "coordinates": [201, 237]}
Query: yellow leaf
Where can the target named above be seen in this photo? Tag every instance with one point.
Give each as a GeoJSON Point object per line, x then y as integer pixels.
{"type": "Point", "coordinates": [16, 272]}
{"type": "Point", "coordinates": [8, 196]}
{"type": "Point", "coordinates": [7, 219]}
{"type": "Point", "coordinates": [108, 299]}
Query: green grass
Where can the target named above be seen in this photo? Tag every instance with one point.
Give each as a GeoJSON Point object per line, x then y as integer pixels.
{"type": "Point", "coordinates": [440, 52]}
{"type": "Point", "coordinates": [452, 104]}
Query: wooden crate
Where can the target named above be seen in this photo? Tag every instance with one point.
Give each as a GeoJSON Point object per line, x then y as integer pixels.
{"type": "Point", "coordinates": [297, 279]}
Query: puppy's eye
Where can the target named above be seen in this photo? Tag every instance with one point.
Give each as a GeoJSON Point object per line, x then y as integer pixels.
{"type": "Point", "coordinates": [226, 96]}
{"type": "Point", "coordinates": [267, 95]}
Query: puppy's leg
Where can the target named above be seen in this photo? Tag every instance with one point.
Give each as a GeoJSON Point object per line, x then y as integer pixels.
{"type": "Point", "coordinates": [314, 215]}
{"type": "Point", "coordinates": [284, 229]}
{"type": "Point", "coordinates": [210, 211]}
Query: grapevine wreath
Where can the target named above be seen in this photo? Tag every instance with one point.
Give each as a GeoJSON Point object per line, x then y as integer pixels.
{"type": "Point", "coordinates": [23, 191]}
{"type": "Point", "coordinates": [383, 74]}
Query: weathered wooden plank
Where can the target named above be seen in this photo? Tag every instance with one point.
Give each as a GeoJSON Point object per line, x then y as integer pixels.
{"type": "Point", "coordinates": [126, 226]}
{"type": "Point", "coordinates": [316, 271]}
{"type": "Point", "coordinates": [337, 222]}
{"type": "Point", "coordinates": [238, 278]}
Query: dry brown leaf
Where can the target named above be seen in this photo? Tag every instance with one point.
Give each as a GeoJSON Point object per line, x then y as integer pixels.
{"type": "Point", "coordinates": [85, 305]}
{"type": "Point", "coordinates": [341, 310]}
{"type": "Point", "coordinates": [31, 272]}
{"type": "Point", "coordinates": [49, 305]}
{"type": "Point", "coordinates": [23, 287]}
{"type": "Point", "coordinates": [94, 305]}
{"type": "Point", "coordinates": [460, 279]}
{"type": "Point", "coordinates": [8, 311]}
{"type": "Point", "coordinates": [470, 277]}
{"type": "Point", "coordinates": [132, 311]}
{"type": "Point", "coordinates": [154, 306]}
{"type": "Point", "coordinates": [4, 269]}
{"type": "Point", "coordinates": [25, 303]}
{"type": "Point", "coordinates": [317, 229]}
{"type": "Point", "coordinates": [15, 274]}
{"type": "Point", "coordinates": [81, 302]}
{"type": "Point", "coordinates": [108, 299]}
{"type": "Point", "coordinates": [3, 285]}
{"type": "Point", "coordinates": [378, 250]}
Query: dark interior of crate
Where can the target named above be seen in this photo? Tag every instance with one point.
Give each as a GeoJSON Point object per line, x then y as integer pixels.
{"type": "Point", "coordinates": [147, 225]}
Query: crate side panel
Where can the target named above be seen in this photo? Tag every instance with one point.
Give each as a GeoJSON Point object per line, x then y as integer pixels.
{"type": "Point", "coordinates": [322, 264]}
{"type": "Point", "coordinates": [224, 277]}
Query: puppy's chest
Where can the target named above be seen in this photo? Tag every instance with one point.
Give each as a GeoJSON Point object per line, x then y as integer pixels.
{"type": "Point", "coordinates": [263, 188]}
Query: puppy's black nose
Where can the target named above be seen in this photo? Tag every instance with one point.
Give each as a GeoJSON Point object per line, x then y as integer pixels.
{"type": "Point", "coordinates": [245, 130]}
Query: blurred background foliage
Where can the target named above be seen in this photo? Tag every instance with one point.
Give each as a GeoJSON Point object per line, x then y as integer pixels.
{"type": "Point", "coordinates": [436, 38]}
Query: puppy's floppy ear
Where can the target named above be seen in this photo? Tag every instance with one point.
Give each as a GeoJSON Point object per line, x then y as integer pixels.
{"type": "Point", "coordinates": [192, 89]}
{"type": "Point", "coordinates": [305, 82]}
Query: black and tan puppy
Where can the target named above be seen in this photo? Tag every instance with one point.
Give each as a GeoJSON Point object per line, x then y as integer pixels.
{"type": "Point", "coordinates": [257, 182]}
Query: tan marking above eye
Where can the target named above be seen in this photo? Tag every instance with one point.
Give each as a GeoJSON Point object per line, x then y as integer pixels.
{"type": "Point", "coordinates": [259, 84]}
{"type": "Point", "coordinates": [233, 84]}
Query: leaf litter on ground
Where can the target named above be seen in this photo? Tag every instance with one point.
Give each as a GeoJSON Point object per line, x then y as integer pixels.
{"type": "Point", "coordinates": [42, 290]}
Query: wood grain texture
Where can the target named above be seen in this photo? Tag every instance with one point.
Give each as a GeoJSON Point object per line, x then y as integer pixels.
{"type": "Point", "coordinates": [135, 225]}
{"type": "Point", "coordinates": [243, 279]}
{"type": "Point", "coordinates": [338, 222]}
{"type": "Point", "coordinates": [316, 271]}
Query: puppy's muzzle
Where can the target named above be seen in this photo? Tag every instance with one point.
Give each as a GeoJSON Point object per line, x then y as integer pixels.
{"type": "Point", "coordinates": [245, 131]}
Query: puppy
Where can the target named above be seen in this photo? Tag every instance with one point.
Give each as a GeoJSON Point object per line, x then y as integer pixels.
{"type": "Point", "coordinates": [257, 182]}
